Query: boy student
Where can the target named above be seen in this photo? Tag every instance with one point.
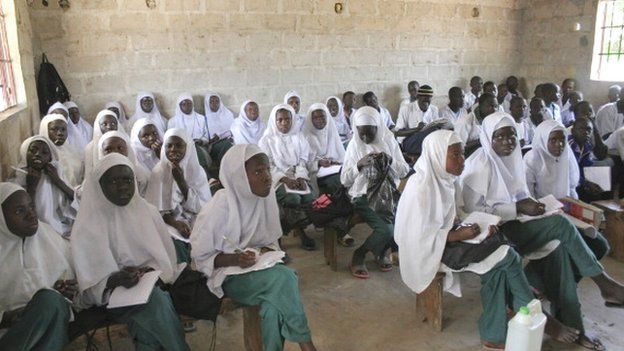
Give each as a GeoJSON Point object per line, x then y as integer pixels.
{"type": "Point", "coordinates": [476, 87]}
{"type": "Point", "coordinates": [512, 87]}
{"type": "Point", "coordinates": [417, 115]}
{"type": "Point", "coordinates": [468, 128]}
{"type": "Point", "coordinates": [412, 89]}
{"type": "Point", "coordinates": [610, 118]}
{"type": "Point", "coordinates": [501, 95]}
{"type": "Point", "coordinates": [567, 86]}
{"type": "Point", "coordinates": [517, 110]}
{"type": "Point", "coordinates": [567, 113]}
{"type": "Point", "coordinates": [490, 88]}
{"type": "Point", "coordinates": [348, 98]}
{"type": "Point", "coordinates": [455, 108]}
{"type": "Point", "coordinates": [370, 99]}
{"type": "Point", "coordinates": [537, 113]}
{"type": "Point", "coordinates": [614, 93]}
{"type": "Point", "coordinates": [551, 94]}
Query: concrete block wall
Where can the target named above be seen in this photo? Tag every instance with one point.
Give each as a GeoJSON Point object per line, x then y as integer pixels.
{"type": "Point", "coordinates": [259, 49]}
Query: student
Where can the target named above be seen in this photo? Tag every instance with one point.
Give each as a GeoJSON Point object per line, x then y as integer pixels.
{"type": "Point", "coordinates": [468, 128]}
{"type": "Point", "coordinates": [412, 89]}
{"type": "Point", "coordinates": [567, 112]}
{"type": "Point", "coordinates": [293, 99]}
{"type": "Point", "coordinates": [430, 238]}
{"type": "Point", "coordinates": [43, 178]}
{"type": "Point", "coordinates": [370, 99]}
{"type": "Point", "coordinates": [537, 114]}
{"type": "Point", "coordinates": [146, 142]}
{"type": "Point", "coordinates": [418, 115]}
{"type": "Point", "coordinates": [512, 88]}
{"type": "Point", "coordinates": [326, 148]}
{"type": "Point", "coordinates": [476, 87]}
{"type": "Point", "coordinates": [240, 224]}
{"type": "Point", "coordinates": [455, 108]}
{"type": "Point", "coordinates": [79, 128]}
{"type": "Point", "coordinates": [289, 154]}
{"type": "Point", "coordinates": [567, 86]}
{"type": "Point", "coordinates": [336, 109]}
{"type": "Point", "coordinates": [116, 141]}
{"type": "Point", "coordinates": [490, 88]}
{"type": "Point", "coordinates": [501, 97]}
{"type": "Point", "coordinates": [37, 289]}
{"type": "Point", "coordinates": [614, 93]}
{"type": "Point", "coordinates": [349, 105]}
{"type": "Point", "coordinates": [372, 141]}
{"type": "Point", "coordinates": [610, 118]}
{"type": "Point", "coordinates": [517, 110]}
{"type": "Point", "coordinates": [551, 95]}
{"type": "Point", "coordinates": [74, 138]}
{"type": "Point", "coordinates": [248, 127]}
{"type": "Point", "coordinates": [178, 186]}
{"type": "Point", "coordinates": [146, 107]}
{"type": "Point", "coordinates": [119, 110]}
{"type": "Point", "coordinates": [494, 182]}
{"type": "Point", "coordinates": [219, 120]}
{"type": "Point", "coordinates": [54, 128]}
{"type": "Point", "coordinates": [105, 121]}
{"type": "Point", "coordinates": [188, 119]}
{"type": "Point", "coordinates": [117, 238]}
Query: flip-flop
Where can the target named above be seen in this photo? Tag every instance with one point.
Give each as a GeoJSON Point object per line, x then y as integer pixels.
{"type": "Point", "coordinates": [361, 273]}
{"type": "Point", "coordinates": [346, 241]}
{"type": "Point", "coordinates": [384, 264]}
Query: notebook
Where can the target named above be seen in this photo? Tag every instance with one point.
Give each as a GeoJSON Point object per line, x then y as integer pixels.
{"type": "Point", "coordinates": [484, 220]}
{"type": "Point", "coordinates": [136, 295]}
{"type": "Point", "coordinates": [327, 171]}
{"type": "Point", "coordinates": [552, 207]}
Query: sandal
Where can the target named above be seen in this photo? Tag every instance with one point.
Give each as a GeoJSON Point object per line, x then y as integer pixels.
{"type": "Point", "coordinates": [490, 346]}
{"type": "Point", "coordinates": [359, 271]}
{"type": "Point", "coordinates": [346, 241]}
{"type": "Point", "coordinates": [384, 264]}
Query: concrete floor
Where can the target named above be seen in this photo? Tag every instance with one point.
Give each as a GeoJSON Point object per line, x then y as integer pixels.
{"type": "Point", "coordinates": [348, 314]}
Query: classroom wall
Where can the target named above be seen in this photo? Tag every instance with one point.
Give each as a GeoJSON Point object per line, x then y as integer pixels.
{"type": "Point", "coordinates": [110, 49]}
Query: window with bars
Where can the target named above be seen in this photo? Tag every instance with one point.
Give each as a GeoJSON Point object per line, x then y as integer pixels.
{"type": "Point", "coordinates": [608, 56]}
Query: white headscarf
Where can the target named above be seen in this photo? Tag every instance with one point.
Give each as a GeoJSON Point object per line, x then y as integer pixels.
{"type": "Point", "coordinates": [246, 131]}
{"type": "Point", "coordinates": [145, 156]}
{"type": "Point", "coordinates": [91, 150]}
{"type": "Point", "coordinates": [218, 122]}
{"type": "Point", "coordinates": [323, 142]}
{"type": "Point", "coordinates": [340, 120]}
{"type": "Point", "coordinates": [30, 264]}
{"type": "Point", "coordinates": [553, 175]}
{"type": "Point", "coordinates": [426, 212]}
{"type": "Point", "coordinates": [508, 180]}
{"type": "Point", "coordinates": [81, 132]}
{"type": "Point", "coordinates": [140, 172]}
{"type": "Point", "coordinates": [107, 237]}
{"type": "Point", "coordinates": [298, 117]}
{"type": "Point", "coordinates": [154, 115]}
{"type": "Point", "coordinates": [162, 188]}
{"type": "Point", "coordinates": [70, 158]}
{"type": "Point", "coordinates": [74, 137]}
{"type": "Point", "coordinates": [52, 205]}
{"type": "Point", "coordinates": [194, 124]}
{"type": "Point", "coordinates": [247, 220]}
{"type": "Point", "coordinates": [123, 119]}
{"type": "Point", "coordinates": [285, 150]}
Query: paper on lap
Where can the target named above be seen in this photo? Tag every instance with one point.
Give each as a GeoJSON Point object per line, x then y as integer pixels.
{"type": "Point", "coordinates": [263, 261]}
{"type": "Point", "coordinates": [552, 206]}
{"type": "Point", "coordinates": [306, 191]}
{"type": "Point", "coordinates": [327, 171]}
{"type": "Point", "coordinates": [136, 295]}
{"type": "Point", "coordinates": [484, 220]}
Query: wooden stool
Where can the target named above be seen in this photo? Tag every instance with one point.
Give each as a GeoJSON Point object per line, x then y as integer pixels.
{"type": "Point", "coordinates": [614, 231]}
{"type": "Point", "coordinates": [330, 242]}
{"type": "Point", "coordinates": [429, 303]}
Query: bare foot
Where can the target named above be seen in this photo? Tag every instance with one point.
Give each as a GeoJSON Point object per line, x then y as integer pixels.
{"type": "Point", "coordinates": [307, 346]}
{"type": "Point", "coordinates": [492, 346]}
{"type": "Point", "coordinates": [590, 342]}
{"type": "Point", "coordinates": [560, 332]}
{"type": "Point", "coordinates": [610, 290]}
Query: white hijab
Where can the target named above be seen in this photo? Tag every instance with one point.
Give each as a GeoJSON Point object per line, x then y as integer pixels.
{"type": "Point", "coordinates": [245, 219]}
{"type": "Point", "coordinates": [52, 205]}
{"type": "Point", "coordinates": [323, 142]}
{"type": "Point", "coordinates": [154, 115]}
{"type": "Point", "coordinates": [246, 131]}
{"type": "Point", "coordinates": [160, 189]}
{"type": "Point", "coordinates": [500, 180]}
{"type": "Point", "coordinates": [340, 120]}
{"type": "Point", "coordinates": [218, 122]}
{"type": "Point", "coordinates": [357, 149]}
{"type": "Point", "coordinates": [145, 156]}
{"type": "Point", "coordinates": [554, 175]}
{"type": "Point", "coordinates": [82, 131]}
{"type": "Point", "coordinates": [123, 119]}
{"type": "Point", "coordinates": [30, 264]}
{"type": "Point", "coordinates": [298, 118]}
{"type": "Point", "coordinates": [194, 123]}
{"type": "Point", "coordinates": [141, 173]}
{"type": "Point", "coordinates": [71, 159]}
{"type": "Point", "coordinates": [91, 151]}
{"type": "Point", "coordinates": [426, 212]}
{"type": "Point", "coordinates": [107, 237]}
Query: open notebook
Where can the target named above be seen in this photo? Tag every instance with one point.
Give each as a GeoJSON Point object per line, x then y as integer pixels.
{"type": "Point", "coordinates": [136, 295]}
{"type": "Point", "coordinates": [484, 220]}
{"type": "Point", "coordinates": [552, 207]}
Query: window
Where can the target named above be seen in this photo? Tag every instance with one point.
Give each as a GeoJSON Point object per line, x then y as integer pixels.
{"type": "Point", "coordinates": [608, 56]}
{"type": "Point", "coordinates": [7, 83]}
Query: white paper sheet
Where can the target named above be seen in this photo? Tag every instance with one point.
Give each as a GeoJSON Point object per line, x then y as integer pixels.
{"type": "Point", "coordinates": [263, 261]}
{"type": "Point", "coordinates": [553, 206]}
{"type": "Point", "coordinates": [585, 228]}
{"type": "Point", "coordinates": [484, 220]}
{"type": "Point", "coordinates": [295, 191]}
{"type": "Point", "coordinates": [599, 175]}
{"type": "Point", "coordinates": [136, 295]}
{"type": "Point", "coordinates": [327, 171]}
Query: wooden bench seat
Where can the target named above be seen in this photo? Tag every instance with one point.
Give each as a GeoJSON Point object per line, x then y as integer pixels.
{"type": "Point", "coordinates": [429, 303]}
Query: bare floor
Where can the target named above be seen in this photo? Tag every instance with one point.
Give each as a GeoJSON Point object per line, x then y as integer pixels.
{"type": "Point", "coordinates": [347, 314]}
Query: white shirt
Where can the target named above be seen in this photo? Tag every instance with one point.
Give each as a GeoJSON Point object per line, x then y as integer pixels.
{"type": "Point", "coordinates": [608, 120]}
{"type": "Point", "coordinates": [470, 99]}
{"type": "Point", "coordinates": [447, 113]}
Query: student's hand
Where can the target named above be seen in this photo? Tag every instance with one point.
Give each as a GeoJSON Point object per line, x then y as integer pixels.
{"type": "Point", "coordinates": [324, 162]}
{"type": "Point", "coordinates": [246, 259]}
{"type": "Point", "coordinates": [464, 232]}
{"type": "Point", "coordinates": [67, 288]}
{"type": "Point", "coordinates": [420, 126]}
{"type": "Point", "coordinates": [592, 188]}
{"type": "Point", "coordinates": [493, 230]}
{"type": "Point", "coordinates": [290, 183]}
{"type": "Point", "coordinates": [125, 277]}
{"type": "Point", "coordinates": [178, 173]}
{"type": "Point", "coordinates": [156, 145]}
{"type": "Point", "coordinates": [183, 229]}
{"type": "Point", "coordinates": [11, 317]}
{"type": "Point", "coordinates": [214, 139]}
{"type": "Point", "coordinates": [265, 249]}
{"type": "Point", "coordinates": [301, 183]}
{"type": "Point", "coordinates": [365, 161]}
{"type": "Point", "coordinates": [530, 207]}
{"type": "Point", "coordinates": [33, 177]}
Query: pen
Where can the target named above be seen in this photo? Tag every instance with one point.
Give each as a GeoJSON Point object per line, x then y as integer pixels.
{"type": "Point", "coordinates": [238, 249]}
{"type": "Point", "coordinates": [19, 170]}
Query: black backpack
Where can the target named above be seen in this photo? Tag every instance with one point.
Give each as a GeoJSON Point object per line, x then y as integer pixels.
{"type": "Point", "coordinates": [50, 86]}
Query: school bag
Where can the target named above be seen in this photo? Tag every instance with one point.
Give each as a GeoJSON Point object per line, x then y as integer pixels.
{"type": "Point", "coordinates": [50, 86]}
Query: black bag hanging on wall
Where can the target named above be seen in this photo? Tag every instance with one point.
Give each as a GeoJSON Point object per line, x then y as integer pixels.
{"type": "Point", "coordinates": [50, 86]}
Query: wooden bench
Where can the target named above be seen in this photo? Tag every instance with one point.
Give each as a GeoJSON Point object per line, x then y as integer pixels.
{"type": "Point", "coordinates": [429, 303]}
{"type": "Point", "coordinates": [614, 230]}
{"type": "Point", "coordinates": [330, 242]}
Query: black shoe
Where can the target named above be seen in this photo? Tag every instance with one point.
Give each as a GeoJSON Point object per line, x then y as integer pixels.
{"type": "Point", "coordinates": [307, 243]}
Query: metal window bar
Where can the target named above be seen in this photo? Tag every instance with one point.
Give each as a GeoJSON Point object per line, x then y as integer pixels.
{"type": "Point", "coordinates": [7, 82]}
{"type": "Point", "coordinates": [612, 31]}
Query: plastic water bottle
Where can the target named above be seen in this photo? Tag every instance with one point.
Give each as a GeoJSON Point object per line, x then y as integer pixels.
{"type": "Point", "coordinates": [526, 329]}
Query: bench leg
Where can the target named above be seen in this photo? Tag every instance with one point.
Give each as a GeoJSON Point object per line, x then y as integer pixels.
{"type": "Point", "coordinates": [614, 233]}
{"type": "Point", "coordinates": [252, 328]}
{"type": "Point", "coordinates": [429, 303]}
{"type": "Point", "coordinates": [330, 240]}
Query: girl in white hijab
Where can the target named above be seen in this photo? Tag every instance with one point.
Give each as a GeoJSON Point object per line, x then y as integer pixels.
{"type": "Point", "coordinates": [37, 285]}
{"type": "Point", "coordinates": [116, 141]}
{"type": "Point", "coordinates": [293, 99]}
{"type": "Point", "coordinates": [234, 231]}
{"type": "Point", "coordinates": [178, 186]}
{"type": "Point", "coordinates": [494, 182]}
{"type": "Point", "coordinates": [430, 194]}
{"type": "Point", "coordinates": [74, 137]}
{"type": "Point", "coordinates": [146, 142]}
{"type": "Point", "coordinates": [289, 154]}
{"type": "Point", "coordinates": [119, 110]}
{"type": "Point", "coordinates": [146, 107]}
{"type": "Point", "coordinates": [336, 108]}
{"type": "Point", "coordinates": [188, 119]}
{"type": "Point", "coordinates": [54, 128]}
{"type": "Point", "coordinates": [371, 140]}
{"type": "Point", "coordinates": [106, 120]}
{"type": "Point", "coordinates": [82, 130]}
{"type": "Point", "coordinates": [248, 127]}
{"type": "Point", "coordinates": [117, 238]}
{"type": "Point", "coordinates": [42, 176]}
{"type": "Point", "coordinates": [219, 120]}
